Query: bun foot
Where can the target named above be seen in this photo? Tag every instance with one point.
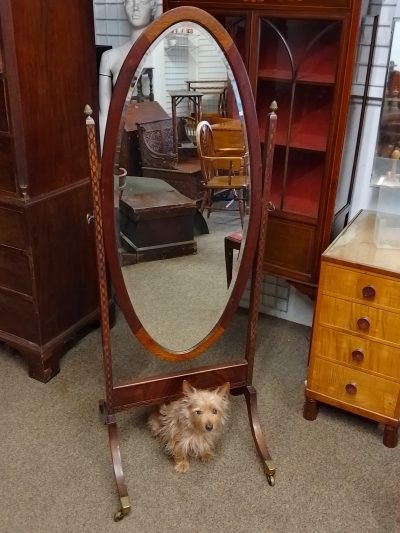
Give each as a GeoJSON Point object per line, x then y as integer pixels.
{"type": "Point", "coordinates": [390, 436]}
{"type": "Point", "coordinates": [310, 409]}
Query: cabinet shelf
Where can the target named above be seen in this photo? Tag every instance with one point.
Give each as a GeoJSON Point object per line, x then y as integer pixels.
{"type": "Point", "coordinates": [308, 124]}
{"type": "Point", "coordinates": [300, 193]}
{"type": "Point", "coordinates": [281, 75]}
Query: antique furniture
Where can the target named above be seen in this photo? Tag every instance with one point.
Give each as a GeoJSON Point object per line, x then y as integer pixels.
{"type": "Point", "coordinates": [140, 95]}
{"type": "Point", "coordinates": [300, 53]}
{"type": "Point", "coordinates": [228, 137]}
{"type": "Point", "coordinates": [185, 178]}
{"type": "Point", "coordinates": [158, 320]}
{"type": "Point", "coordinates": [193, 99]}
{"type": "Point", "coordinates": [220, 172]}
{"type": "Point", "coordinates": [156, 144]}
{"type": "Point", "coordinates": [217, 88]}
{"type": "Point", "coordinates": [354, 360]}
{"type": "Point", "coordinates": [47, 261]}
{"type": "Point", "coordinates": [156, 221]}
{"type": "Point", "coordinates": [136, 113]}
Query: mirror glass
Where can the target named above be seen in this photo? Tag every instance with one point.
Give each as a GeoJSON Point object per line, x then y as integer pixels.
{"type": "Point", "coordinates": [386, 167]}
{"type": "Point", "coordinates": [181, 186]}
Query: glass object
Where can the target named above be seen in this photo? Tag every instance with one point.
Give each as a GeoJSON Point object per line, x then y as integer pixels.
{"type": "Point", "coordinates": [386, 166]}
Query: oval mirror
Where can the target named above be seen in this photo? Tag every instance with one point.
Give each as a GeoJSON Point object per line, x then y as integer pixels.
{"type": "Point", "coordinates": [181, 183]}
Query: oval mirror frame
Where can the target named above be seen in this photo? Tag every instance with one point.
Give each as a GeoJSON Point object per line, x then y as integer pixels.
{"type": "Point", "coordinates": [129, 67]}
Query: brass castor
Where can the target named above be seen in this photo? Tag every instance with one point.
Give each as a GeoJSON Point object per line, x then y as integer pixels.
{"type": "Point", "coordinates": [271, 480]}
{"type": "Point", "coordinates": [269, 470]}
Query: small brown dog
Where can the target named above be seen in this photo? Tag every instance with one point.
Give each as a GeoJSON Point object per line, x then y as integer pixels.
{"type": "Point", "coordinates": [190, 426]}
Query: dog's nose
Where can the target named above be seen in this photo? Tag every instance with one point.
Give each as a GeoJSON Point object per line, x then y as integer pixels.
{"type": "Point", "coordinates": [209, 426]}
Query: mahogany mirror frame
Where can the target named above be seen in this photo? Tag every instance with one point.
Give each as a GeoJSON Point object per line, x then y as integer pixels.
{"type": "Point", "coordinates": [129, 68]}
{"type": "Point", "coordinates": [129, 393]}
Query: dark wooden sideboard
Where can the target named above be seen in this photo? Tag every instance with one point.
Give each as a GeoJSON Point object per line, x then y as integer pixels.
{"type": "Point", "coordinates": [48, 288]}
{"type": "Point", "coordinates": [301, 54]}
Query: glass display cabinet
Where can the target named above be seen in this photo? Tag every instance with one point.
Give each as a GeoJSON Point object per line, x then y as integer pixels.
{"type": "Point", "coordinates": [300, 54]}
{"type": "Point", "coordinates": [386, 169]}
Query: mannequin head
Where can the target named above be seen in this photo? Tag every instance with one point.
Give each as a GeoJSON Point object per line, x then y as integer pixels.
{"type": "Point", "coordinates": [140, 12]}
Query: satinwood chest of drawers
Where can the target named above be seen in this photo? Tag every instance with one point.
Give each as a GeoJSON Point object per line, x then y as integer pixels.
{"type": "Point", "coordinates": [354, 360]}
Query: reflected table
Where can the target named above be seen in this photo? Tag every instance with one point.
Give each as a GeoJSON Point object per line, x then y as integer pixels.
{"type": "Point", "coordinates": [194, 98]}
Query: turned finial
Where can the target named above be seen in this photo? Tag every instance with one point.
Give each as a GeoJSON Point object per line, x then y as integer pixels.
{"type": "Point", "coordinates": [274, 106]}
{"type": "Point", "coordinates": [88, 111]}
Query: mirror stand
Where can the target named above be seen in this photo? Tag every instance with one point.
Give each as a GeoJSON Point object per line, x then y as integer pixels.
{"type": "Point", "coordinates": [133, 393]}
{"type": "Point", "coordinates": [165, 387]}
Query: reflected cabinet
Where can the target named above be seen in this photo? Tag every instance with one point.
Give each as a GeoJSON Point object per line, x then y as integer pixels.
{"type": "Point", "coordinates": [300, 54]}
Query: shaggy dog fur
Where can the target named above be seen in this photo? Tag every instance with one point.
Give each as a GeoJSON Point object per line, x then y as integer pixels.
{"type": "Point", "coordinates": [190, 426]}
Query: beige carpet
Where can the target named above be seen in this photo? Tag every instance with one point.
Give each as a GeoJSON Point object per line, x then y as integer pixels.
{"type": "Point", "coordinates": [333, 474]}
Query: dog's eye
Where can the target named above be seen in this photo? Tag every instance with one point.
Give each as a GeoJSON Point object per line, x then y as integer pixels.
{"type": "Point", "coordinates": [198, 412]}
{"type": "Point", "coordinates": [214, 411]}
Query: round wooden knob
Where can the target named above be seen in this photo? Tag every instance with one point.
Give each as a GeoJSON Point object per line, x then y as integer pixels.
{"type": "Point", "coordinates": [363, 323]}
{"type": "Point", "coordinates": [351, 388]}
{"type": "Point", "coordinates": [357, 355]}
{"type": "Point", "coordinates": [368, 292]}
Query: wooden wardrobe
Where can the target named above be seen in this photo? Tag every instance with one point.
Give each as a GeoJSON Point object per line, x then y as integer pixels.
{"type": "Point", "coordinates": [48, 288]}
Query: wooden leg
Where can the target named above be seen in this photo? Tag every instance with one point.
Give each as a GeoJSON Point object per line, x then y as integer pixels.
{"type": "Point", "coordinates": [390, 436]}
{"type": "Point", "coordinates": [251, 400]}
{"type": "Point", "coordinates": [209, 202]}
{"type": "Point", "coordinates": [228, 260]}
{"type": "Point", "coordinates": [111, 422]}
{"type": "Point", "coordinates": [44, 371]}
{"type": "Point", "coordinates": [310, 409]}
{"type": "Point", "coordinates": [241, 207]}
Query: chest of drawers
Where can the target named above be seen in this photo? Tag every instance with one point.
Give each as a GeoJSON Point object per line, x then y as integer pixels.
{"type": "Point", "coordinates": [354, 360]}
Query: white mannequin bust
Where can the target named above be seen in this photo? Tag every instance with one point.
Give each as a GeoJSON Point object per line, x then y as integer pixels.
{"type": "Point", "coordinates": [140, 13]}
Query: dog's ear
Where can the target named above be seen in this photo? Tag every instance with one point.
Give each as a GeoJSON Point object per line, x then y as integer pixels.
{"type": "Point", "coordinates": [223, 390]}
{"type": "Point", "coordinates": [187, 388]}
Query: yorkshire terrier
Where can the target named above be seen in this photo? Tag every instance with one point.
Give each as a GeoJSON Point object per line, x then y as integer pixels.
{"type": "Point", "coordinates": [191, 425]}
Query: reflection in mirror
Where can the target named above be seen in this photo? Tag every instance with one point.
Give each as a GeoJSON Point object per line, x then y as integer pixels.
{"type": "Point", "coordinates": [386, 168]}
{"type": "Point", "coordinates": [181, 187]}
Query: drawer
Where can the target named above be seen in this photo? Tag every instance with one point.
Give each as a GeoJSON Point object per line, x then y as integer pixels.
{"type": "Point", "coordinates": [18, 316]}
{"type": "Point", "coordinates": [378, 324]}
{"type": "Point", "coordinates": [15, 271]}
{"type": "Point", "coordinates": [12, 229]}
{"type": "Point", "coordinates": [355, 351]}
{"type": "Point", "coordinates": [354, 387]}
{"type": "Point", "coordinates": [361, 286]}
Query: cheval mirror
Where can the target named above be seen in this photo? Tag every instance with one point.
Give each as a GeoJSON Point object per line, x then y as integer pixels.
{"type": "Point", "coordinates": [183, 185]}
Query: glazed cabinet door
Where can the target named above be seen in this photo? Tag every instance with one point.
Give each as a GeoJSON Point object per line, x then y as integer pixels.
{"type": "Point", "coordinates": [297, 65]}
{"type": "Point", "coordinates": [301, 54]}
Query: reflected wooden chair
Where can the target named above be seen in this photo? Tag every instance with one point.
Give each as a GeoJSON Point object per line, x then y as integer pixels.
{"type": "Point", "coordinates": [220, 172]}
{"type": "Point", "coordinates": [156, 144]}
{"type": "Point", "coordinates": [233, 241]}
